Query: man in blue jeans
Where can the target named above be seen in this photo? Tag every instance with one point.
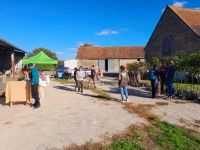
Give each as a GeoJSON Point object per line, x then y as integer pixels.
{"type": "Point", "coordinates": [123, 82]}
{"type": "Point", "coordinates": [34, 76]}
{"type": "Point", "coordinates": [170, 79]}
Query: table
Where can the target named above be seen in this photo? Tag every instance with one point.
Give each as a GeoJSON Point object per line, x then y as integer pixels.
{"type": "Point", "coordinates": [18, 91]}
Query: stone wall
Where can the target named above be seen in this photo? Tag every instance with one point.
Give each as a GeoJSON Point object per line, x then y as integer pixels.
{"type": "Point", "coordinates": [172, 37]}
{"type": "Point", "coordinates": [129, 61]}
{"type": "Point", "coordinates": [87, 63]}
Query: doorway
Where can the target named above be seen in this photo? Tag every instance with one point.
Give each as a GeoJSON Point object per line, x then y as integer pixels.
{"type": "Point", "coordinates": [106, 65]}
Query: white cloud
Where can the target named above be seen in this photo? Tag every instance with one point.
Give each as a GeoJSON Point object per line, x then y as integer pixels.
{"type": "Point", "coordinates": [59, 53]}
{"type": "Point", "coordinates": [180, 3]}
{"type": "Point", "coordinates": [71, 49]}
{"type": "Point", "coordinates": [107, 32]}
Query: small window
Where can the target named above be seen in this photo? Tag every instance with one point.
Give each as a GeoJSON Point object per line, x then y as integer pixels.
{"type": "Point", "coordinates": [138, 59]}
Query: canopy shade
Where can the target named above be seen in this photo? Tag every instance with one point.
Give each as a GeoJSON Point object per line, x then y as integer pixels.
{"type": "Point", "coordinates": [40, 58]}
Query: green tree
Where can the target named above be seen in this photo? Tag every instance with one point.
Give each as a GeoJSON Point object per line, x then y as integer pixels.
{"type": "Point", "coordinates": [48, 53]}
{"type": "Point", "coordinates": [87, 45]}
{"type": "Point", "coordinates": [155, 61]}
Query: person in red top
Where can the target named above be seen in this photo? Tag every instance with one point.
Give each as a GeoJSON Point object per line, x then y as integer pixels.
{"type": "Point", "coordinates": [25, 71]}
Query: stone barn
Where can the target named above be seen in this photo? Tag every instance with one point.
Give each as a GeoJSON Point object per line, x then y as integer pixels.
{"type": "Point", "coordinates": [10, 57]}
{"type": "Point", "coordinates": [109, 59]}
{"type": "Point", "coordinates": [177, 32]}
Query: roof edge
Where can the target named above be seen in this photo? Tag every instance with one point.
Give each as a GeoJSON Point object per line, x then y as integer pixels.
{"type": "Point", "coordinates": [171, 8]}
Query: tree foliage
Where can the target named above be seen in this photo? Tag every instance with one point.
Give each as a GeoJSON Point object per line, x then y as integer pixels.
{"type": "Point", "coordinates": [87, 45]}
{"type": "Point", "coordinates": [46, 51]}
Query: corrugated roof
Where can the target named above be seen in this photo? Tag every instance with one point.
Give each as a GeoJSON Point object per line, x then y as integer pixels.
{"type": "Point", "coordinates": [7, 44]}
{"type": "Point", "coordinates": [191, 17]}
{"type": "Point", "coordinates": [110, 52]}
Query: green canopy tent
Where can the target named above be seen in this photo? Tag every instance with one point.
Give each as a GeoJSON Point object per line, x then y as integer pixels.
{"type": "Point", "coordinates": [40, 58]}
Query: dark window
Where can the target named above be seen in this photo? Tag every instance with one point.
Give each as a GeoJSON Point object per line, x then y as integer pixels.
{"type": "Point", "coordinates": [138, 59]}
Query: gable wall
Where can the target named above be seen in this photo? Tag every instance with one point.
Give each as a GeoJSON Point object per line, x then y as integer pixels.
{"type": "Point", "coordinates": [172, 35]}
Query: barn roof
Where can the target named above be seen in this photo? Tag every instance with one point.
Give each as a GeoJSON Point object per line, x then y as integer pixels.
{"type": "Point", "coordinates": [191, 17]}
{"type": "Point", "coordinates": [91, 52]}
{"type": "Point", "coordinates": [6, 45]}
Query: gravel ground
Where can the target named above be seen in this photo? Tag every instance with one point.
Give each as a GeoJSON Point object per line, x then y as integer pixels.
{"type": "Point", "coordinates": [65, 117]}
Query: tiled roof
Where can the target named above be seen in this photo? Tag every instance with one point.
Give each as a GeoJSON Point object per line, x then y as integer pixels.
{"type": "Point", "coordinates": [110, 52]}
{"type": "Point", "coordinates": [191, 17]}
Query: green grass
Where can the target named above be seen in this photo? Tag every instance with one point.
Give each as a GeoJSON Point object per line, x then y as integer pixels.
{"type": "Point", "coordinates": [187, 87]}
{"type": "Point", "coordinates": [172, 137]}
{"type": "Point", "coordinates": [103, 94]}
{"type": "Point", "coordinates": [125, 145]}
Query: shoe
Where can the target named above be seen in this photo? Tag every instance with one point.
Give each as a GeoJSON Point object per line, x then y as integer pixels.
{"type": "Point", "coordinates": [32, 105]}
{"type": "Point", "coordinates": [126, 100]}
{"type": "Point", "coordinates": [35, 107]}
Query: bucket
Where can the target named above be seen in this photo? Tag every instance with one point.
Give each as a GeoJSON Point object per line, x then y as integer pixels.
{"type": "Point", "coordinates": [59, 75]}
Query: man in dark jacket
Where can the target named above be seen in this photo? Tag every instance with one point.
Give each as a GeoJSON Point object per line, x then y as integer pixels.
{"type": "Point", "coordinates": [170, 79]}
{"type": "Point", "coordinates": [154, 81]}
{"type": "Point", "coordinates": [34, 76]}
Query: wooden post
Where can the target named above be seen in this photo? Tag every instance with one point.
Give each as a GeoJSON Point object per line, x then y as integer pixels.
{"type": "Point", "coordinates": [13, 63]}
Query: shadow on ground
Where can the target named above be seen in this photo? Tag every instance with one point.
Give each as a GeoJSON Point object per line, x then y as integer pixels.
{"type": "Point", "coordinates": [64, 88]}
{"type": "Point", "coordinates": [132, 92]}
{"type": "Point", "coordinates": [100, 97]}
{"type": "Point", "coordinates": [2, 100]}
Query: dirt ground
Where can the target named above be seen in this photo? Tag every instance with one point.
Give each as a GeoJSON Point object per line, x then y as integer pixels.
{"type": "Point", "coordinates": [181, 112]}
{"type": "Point", "coordinates": [64, 118]}
{"type": "Point", "coordinates": [68, 117]}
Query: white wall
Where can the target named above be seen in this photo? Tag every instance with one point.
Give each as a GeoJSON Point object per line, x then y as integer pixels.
{"type": "Point", "coordinates": [71, 63]}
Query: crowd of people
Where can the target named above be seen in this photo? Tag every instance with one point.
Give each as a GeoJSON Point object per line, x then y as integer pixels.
{"type": "Point", "coordinates": [79, 75]}
{"type": "Point", "coordinates": [162, 80]}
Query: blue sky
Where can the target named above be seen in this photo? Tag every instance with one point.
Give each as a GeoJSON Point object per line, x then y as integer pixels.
{"type": "Point", "coordinates": [63, 25]}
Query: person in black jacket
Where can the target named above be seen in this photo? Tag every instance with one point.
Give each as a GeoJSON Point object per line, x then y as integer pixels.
{"type": "Point", "coordinates": [92, 76]}
{"type": "Point", "coordinates": [76, 83]}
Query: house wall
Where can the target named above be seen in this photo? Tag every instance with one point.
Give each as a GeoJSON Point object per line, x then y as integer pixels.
{"type": "Point", "coordinates": [172, 37]}
{"type": "Point", "coordinates": [129, 61]}
{"type": "Point", "coordinates": [5, 62]}
{"type": "Point", "coordinates": [113, 64]}
{"type": "Point", "coordinates": [87, 63]}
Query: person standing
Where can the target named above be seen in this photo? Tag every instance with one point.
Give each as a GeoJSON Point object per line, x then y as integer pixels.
{"type": "Point", "coordinates": [80, 74]}
{"type": "Point", "coordinates": [92, 76]}
{"type": "Point", "coordinates": [162, 76]}
{"type": "Point", "coordinates": [170, 79]}
{"type": "Point", "coordinates": [123, 82]}
{"type": "Point", "coordinates": [154, 81]}
{"type": "Point", "coordinates": [76, 82]}
{"type": "Point", "coordinates": [34, 76]}
{"type": "Point", "coordinates": [42, 84]}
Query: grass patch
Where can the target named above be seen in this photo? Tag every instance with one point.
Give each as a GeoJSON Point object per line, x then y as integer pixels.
{"type": "Point", "coordinates": [159, 136]}
{"type": "Point", "coordinates": [187, 87]}
{"type": "Point", "coordinates": [102, 94]}
{"type": "Point", "coordinates": [171, 137]}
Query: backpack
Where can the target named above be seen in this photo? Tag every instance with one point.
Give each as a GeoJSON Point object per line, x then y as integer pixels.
{"type": "Point", "coordinates": [153, 75]}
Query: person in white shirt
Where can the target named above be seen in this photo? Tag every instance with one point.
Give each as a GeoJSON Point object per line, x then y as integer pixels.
{"type": "Point", "coordinates": [80, 74]}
